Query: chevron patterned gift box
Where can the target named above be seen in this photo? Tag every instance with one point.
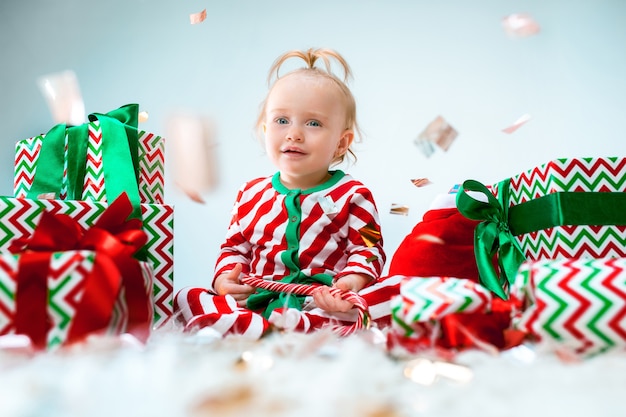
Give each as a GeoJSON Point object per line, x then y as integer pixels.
{"type": "Point", "coordinates": [19, 218]}
{"type": "Point", "coordinates": [448, 312]}
{"type": "Point", "coordinates": [592, 238]}
{"type": "Point", "coordinates": [566, 208]}
{"type": "Point", "coordinates": [576, 303]}
{"type": "Point", "coordinates": [66, 278]}
{"type": "Point", "coordinates": [151, 154]}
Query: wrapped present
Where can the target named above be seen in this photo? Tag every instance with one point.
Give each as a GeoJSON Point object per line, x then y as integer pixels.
{"type": "Point", "coordinates": [93, 146]}
{"type": "Point", "coordinates": [77, 169]}
{"type": "Point", "coordinates": [579, 303]}
{"type": "Point", "coordinates": [448, 312]}
{"type": "Point", "coordinates": [63, 282]}
{"type": "Point", "coordinates": [566, 208]}
{"type": "Point", "coordinates": [19, 218]}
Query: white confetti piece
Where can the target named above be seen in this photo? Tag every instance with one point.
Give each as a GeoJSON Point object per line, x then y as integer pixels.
{"type": "Point", "coordinates": [196, 18]}
{"type": "Point", "coordinates": [63, 96]}
{"type": "Point", "coordinates": [518, 123]}
{"type": "Point", "coordinates": [520, 25]}
{"type": "Point", "coordinates": [194, 166]}
{"type": "Point", "coordinates": [328, 205]}
{"type": "Point", "coordinates": [438, 132]}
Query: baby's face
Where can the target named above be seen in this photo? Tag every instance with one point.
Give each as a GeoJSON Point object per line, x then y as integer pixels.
{"type": "Point", "coordinates": [305, 128]}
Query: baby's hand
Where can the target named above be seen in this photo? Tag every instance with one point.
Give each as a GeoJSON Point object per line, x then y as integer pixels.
{"type": "Point", "coordinates": [334, 303]}
{"type": "Point", "coordinates": [228, 283]}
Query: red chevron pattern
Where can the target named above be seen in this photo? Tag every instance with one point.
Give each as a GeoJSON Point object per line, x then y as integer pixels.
{"type": "Point", "coordinates": [151, 154]}
{"type": "Point", "coordinates": [151, 167]}
{"type": "Point", "coordinates": [8, 269]}
{"type": "Point", "coordinates": [578, 303]}
{"type": "Point", "coordinates": [93, 188]}
{"type": "Point", "coordinates": [66, 285]}
{"type": "Point", "coordinates": [20, 217]}
{"type": "Point", "coordinates": [571, 175]}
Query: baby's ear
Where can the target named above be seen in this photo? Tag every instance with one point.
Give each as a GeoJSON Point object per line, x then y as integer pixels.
{"type": "Point", "coordinates": [345, 141]}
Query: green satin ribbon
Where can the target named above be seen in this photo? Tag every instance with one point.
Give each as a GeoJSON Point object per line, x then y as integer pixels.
{"type": "Point", "coordinates": [492, 236]}
{"type": "Point", "coordinates": [568, 208]}
{"type": "Point", "coordinates": [120, 158]}
{"type": "Point", "coordinates": [495, 235]}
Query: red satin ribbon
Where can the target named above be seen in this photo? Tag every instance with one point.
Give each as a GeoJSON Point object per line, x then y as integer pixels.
{"type": "Point", "coordinates": [465, 330]}
{"type": "Point", "coordinates": [115, 241]}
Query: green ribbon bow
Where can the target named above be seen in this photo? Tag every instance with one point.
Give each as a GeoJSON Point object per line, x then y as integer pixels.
{"type": "Point", "coordinates": [495, 235]}
{"type": "Point", "coordinates": [492, 236]}
{"type": "Point", "coordinates": [119, 158]}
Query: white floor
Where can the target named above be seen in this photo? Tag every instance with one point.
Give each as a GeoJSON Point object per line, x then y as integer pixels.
{"type": "Point", "coordinates": [179, 375]}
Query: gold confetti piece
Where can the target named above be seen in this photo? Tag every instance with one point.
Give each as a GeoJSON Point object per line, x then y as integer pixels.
{"type": "Point", "coordinates": [399, 209]}
{"type": "Point", "coordinates": [63, 96]}
{"type": "Point", "coordinates": [196, 18]}
{"type": "Point", "coordinates": [518, 123]}
{"type": "Point", "coordinates": [370, 235]}
{"type": "Point", "coordinates": [421, 182]}
{"type": "Point", "coordinates": [520, 25]}
{"type": "Point", "coordinates": [328, 205]}
{"type": "Point", "coordinates": [371, 259]}
{"type": "Point", "coordinates": [143, 116]}
{"type": "Point", "coordinates": [430, 238]}
{"type": "Point", "coordinates": [438, 132]}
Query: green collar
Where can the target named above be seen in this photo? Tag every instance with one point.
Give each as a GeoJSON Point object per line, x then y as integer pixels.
{"type": "Point", "coordinates": [334, 179]}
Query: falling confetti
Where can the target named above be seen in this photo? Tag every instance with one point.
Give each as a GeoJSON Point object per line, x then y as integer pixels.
{"type": "Point", "coordinates": [426, 372]}
{"type": "Point", "coordinates": [143, 116]}
{"type": "Point", "coordinates": [63, 96]}
{"type": "Point", "coordinates": [427, 148]}
{"type": "Point", "coordinates": [421, 182]}
{"type": "Point", "coordinates": [438, 132]}
{"type": "Point", "coordinates": [371, 259]}
{"type": "Point", "coordinates": [520, 25]}
{"type": "Point", "coordinates": [518, 123]}
{"type": "Point", "coordinates": [191, 140]}
{"type": "Point", "coordinates": [430, 238]}
{"type": "Point", "coordinates": [399, 209]}
{"type": "Point", "coordinates": [328, 205]}
{"type": "Point", "coordinates": [370, 235]}
{"type": "Point", "coordinates": [196, 18]}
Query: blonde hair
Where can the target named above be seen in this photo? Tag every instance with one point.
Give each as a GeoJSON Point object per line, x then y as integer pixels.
{"type": "Point", "coordinates": [311, 57]}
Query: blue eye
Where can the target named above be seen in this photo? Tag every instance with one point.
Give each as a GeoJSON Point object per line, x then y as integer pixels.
{"type": "Point", "coordinates": [314, 123]}
{"type": "Point", "coordinates": [282, 121]}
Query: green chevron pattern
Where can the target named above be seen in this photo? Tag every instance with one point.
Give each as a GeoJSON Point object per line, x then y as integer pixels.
{"type": "Point", "coordinates": [151, 154]}
{"type": "Point", "coordinates": [577, 303]}
{"type": "Point", "coordinates": [566, 175]}
{"type": "Point", "coordinates": [424, 300]}
{"type": "Point", "coordinates": [94, 170]}
{"type": "Point", "coordinates": [66, 278]}
{"type": "Point", "coordinates": [19, 217]}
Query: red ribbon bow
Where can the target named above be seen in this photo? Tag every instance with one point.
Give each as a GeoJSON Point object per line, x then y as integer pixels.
{"type": "Point", "coordinates": [115, 240]}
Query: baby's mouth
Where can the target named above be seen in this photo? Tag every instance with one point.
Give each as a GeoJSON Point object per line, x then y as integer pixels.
{"type": "Point", "coordinates": [292, 151]}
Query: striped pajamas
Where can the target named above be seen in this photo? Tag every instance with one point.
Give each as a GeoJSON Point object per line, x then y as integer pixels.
{"type": "Point", "coordinates": [299, 236]}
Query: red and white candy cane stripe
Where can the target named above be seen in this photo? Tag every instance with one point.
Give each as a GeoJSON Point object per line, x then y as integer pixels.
{"type": "Point", "coordinates": [307, 289]}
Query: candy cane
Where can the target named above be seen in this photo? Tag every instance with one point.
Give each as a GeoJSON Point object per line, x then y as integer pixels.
{"type": "Point", "coordinates": [304, 289]}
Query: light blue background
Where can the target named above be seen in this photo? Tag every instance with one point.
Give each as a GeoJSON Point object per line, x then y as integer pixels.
{"type": "Point", "coordinates": [412, 61]}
